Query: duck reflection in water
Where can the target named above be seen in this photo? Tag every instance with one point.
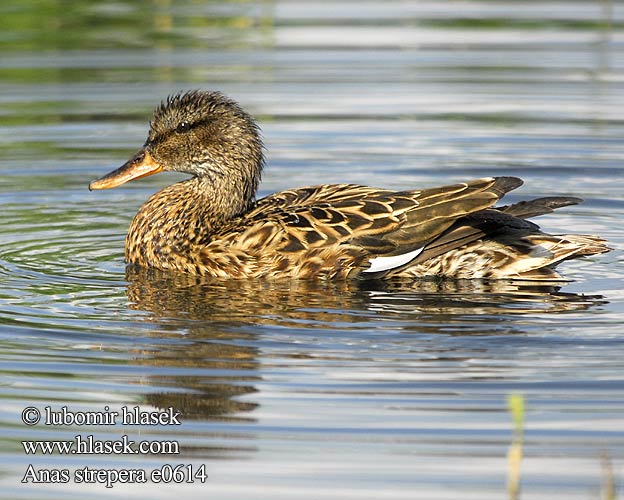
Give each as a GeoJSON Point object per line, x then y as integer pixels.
{"type": "Point", "coordinates": [203, 304]}
{"type": "Point", "coordinates": [223, 322]}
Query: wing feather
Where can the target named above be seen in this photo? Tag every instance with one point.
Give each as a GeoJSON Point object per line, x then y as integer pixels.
{"type": "Point", "coordinates": [377, 223]}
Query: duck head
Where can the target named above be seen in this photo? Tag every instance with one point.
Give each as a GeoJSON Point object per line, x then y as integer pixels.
{"type": "Point", "coordinates": [204, 134]}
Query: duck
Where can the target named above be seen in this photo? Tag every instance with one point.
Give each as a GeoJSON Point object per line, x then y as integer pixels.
{"type": "Point", "coordinates": [211, 223]}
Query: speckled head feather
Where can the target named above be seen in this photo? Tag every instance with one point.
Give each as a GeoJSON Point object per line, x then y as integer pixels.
{"type": "Point", "coordinates": [189, 109]}
{"type": "Point", "coordinates": [209, 136]}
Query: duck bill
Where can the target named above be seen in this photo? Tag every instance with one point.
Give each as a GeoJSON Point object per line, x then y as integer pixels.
{"type": "Point", "coordinates": [140, 165]}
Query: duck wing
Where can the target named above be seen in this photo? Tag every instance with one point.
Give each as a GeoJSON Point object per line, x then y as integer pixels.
{"type": "Point", "coordinates": [500, 243]}
{"type": "Point", "coordinates": [505, 222]}
{"type": "Point", "coordinates": [377, 230]}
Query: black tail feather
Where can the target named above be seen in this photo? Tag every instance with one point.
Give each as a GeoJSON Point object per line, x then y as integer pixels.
{"type": "Point", "coordinates": [539, 206]}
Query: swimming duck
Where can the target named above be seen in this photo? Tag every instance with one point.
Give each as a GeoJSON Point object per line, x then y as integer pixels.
{"type": "Point", "coordinates": [211, 224]}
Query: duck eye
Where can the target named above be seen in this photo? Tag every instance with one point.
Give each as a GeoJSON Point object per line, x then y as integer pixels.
{"type": "Point", "coordinates": [183, 127]}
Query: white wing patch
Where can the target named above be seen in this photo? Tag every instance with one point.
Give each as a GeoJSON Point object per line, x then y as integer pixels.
{"type": "Point", "coordinates": [385, 263]}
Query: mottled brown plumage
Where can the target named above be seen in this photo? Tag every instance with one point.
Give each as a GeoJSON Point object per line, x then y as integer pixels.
{"type": "Point", "coordinates": [211, 224]}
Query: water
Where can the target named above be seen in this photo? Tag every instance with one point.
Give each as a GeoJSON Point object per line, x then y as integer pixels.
{"type": "Point", "coordinates": [303, 390]}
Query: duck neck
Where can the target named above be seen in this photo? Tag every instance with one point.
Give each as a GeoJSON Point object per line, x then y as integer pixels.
{"type": "Point", "coordinates": [175, 222]}
{"type": "Point", "coordinates": [221, 198]}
